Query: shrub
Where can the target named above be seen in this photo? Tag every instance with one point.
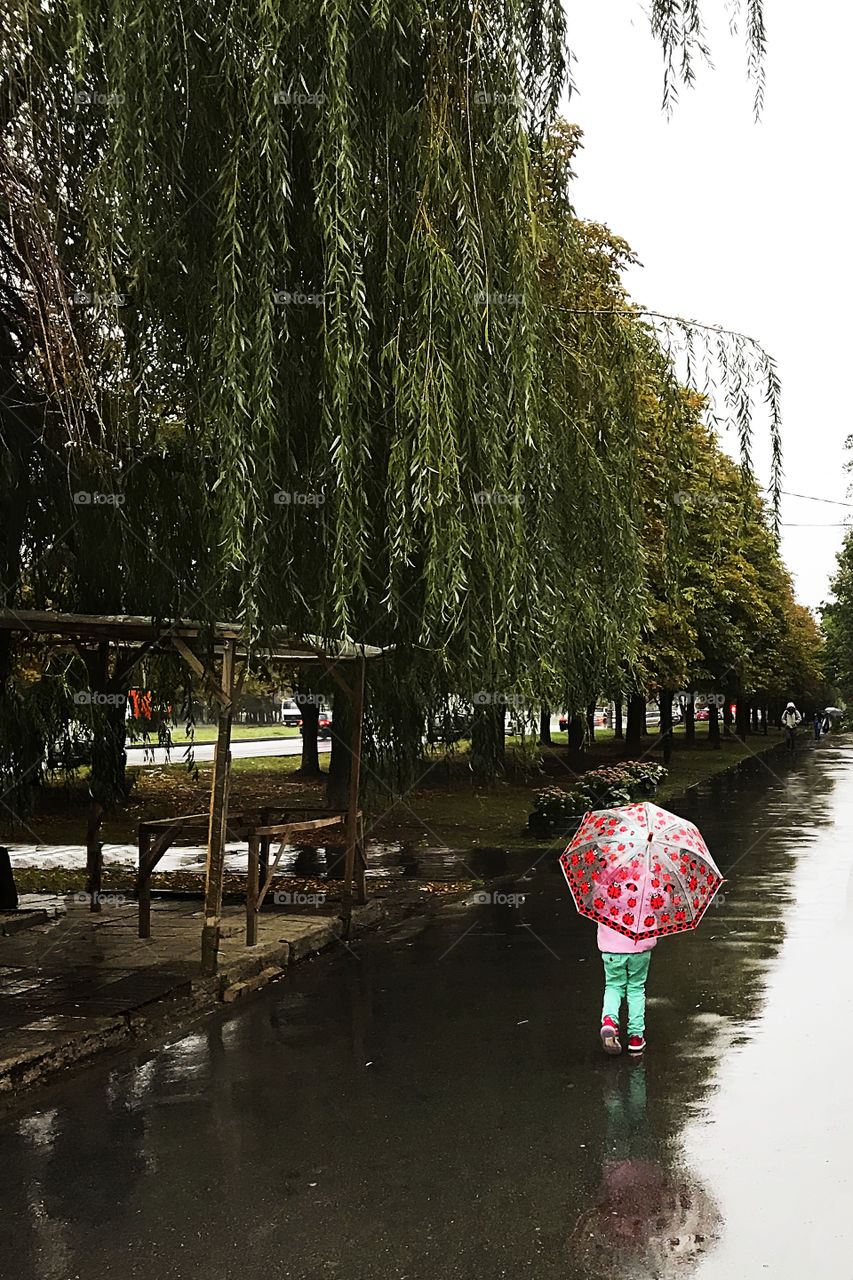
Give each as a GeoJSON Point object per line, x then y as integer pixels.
{"type": "Point", "coordinates": [605, 788]}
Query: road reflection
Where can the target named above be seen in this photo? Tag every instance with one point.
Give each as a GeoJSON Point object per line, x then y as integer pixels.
{"type": "Point", "coordinates": [647, 1219]}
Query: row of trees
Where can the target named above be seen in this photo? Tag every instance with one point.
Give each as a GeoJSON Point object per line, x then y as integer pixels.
{"type": "Point", "coordinates": [299, 327]}
{"type": "Point", "coordinates": [837, 616]}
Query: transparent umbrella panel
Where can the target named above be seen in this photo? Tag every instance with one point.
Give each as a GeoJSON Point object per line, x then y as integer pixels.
{"type": "Point", "coordinates": [640, 870]}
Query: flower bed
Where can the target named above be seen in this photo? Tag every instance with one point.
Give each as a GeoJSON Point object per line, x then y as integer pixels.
{"type": "Point", "coordinates": [604, 788]}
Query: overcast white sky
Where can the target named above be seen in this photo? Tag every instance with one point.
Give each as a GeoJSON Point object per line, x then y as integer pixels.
{"type": "Point", "coordinates": [739, 223]}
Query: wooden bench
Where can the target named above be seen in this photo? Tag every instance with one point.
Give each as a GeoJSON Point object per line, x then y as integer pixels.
{"type": "Point", "coordinates": [259, 828]}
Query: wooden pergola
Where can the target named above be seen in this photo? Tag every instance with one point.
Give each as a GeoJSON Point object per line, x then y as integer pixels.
{"type": "Point", "coordinates": [213, 652]}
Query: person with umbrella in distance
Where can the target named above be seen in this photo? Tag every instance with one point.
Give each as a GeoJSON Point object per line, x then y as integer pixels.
{"type": "Point", "coordinates": [790, 719]}
{"type": "Point", "coordinates": [640, 873]}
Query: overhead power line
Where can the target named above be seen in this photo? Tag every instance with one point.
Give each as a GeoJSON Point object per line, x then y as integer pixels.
{"type": "Point", "coordinates": [811, 498]}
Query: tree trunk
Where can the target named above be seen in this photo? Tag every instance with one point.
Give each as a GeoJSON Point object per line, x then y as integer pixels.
{"type": "Point", "coordinates": [619, 732]}
{"type": "Point", "coordinates": [545, 726]}
{"type": "Point", "coordinates": [666, 723]}
{"type": "Point", "coordinates": [690, 721]}
{"type": "Point", "coordinates": [764, 719]}
{"type": "Point", "coordinates": [727, 717]}
{"type": "Point", "coordinates": [310, 766]}
{"type": "Point", "coordinates": [713, 725]}
{"type": "Point", "coordinates": [107, 776]}
{"type": "Point", "coordinates": [636, 718]}
{"type": "Point", "coordinates": [8, 891]}
{"type": "Point", "coordinates": [576, 734]}
{"type": "Point", "coordinates": [742, 715]}
{"type": "Point", "coordinates": [488, 734]}
{"type": "Point", "coordinates": [337, 781]}
{"type": "Point", "coordinates": [590, 723]}
{"type": "Point", "coordinates": [93, 852]}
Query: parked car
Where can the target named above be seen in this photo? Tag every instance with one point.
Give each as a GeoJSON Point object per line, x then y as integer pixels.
{"type": "Point", "coordinates": [323, 726]}
{"type": "Point", "coordinates": [600, 718]}
{"type": "Point", "coordinates": [701, 713]}
{"type": "Point", "coordinates": [291, 714]}
{"type": "Point", "coordinates": [449, 727]}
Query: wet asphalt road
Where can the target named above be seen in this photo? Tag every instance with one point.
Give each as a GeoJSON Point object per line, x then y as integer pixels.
{"type": "Point", "coordinates": [435, 1103]}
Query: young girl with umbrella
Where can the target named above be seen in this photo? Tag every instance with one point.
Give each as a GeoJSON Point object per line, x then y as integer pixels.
{"type": "Point", "coordinates": [640, 873]}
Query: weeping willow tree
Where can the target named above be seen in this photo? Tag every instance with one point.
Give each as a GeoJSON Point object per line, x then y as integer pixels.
{"type": "Point", "coordinates": [330, 369]}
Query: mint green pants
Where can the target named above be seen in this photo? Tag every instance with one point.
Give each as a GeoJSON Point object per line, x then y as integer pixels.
{"type": "Point", "coordinates": [625, 977]}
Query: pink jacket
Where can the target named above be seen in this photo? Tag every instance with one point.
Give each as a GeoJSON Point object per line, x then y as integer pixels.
{"type": "Point", "coordinates": [613, 941]}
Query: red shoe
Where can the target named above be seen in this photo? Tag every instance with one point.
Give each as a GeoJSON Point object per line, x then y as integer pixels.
{"type": "Point", "coordinates": [610, 1036]}
{"type": "Point", "coordinates": [636, 1044]}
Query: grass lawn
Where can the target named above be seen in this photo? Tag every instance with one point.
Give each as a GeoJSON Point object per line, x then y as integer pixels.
{"type": "Point", "coordinates": [459, 815]}
{"type": "Point", "coordinates": [444, 808]}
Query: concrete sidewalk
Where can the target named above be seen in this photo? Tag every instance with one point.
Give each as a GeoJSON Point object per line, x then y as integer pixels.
{"type": "Point", "coordinates": [75, 983]}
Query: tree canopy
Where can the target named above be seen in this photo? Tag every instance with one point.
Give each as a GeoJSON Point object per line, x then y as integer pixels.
{"type": "Point", "coordinates": [298, 298]}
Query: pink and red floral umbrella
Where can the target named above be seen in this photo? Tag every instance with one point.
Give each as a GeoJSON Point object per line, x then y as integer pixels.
{"type": "Point", "coordinates": [640, 870]}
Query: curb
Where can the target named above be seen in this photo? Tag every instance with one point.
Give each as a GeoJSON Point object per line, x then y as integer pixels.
{"type": "Point", "coordinates": [15, 922]}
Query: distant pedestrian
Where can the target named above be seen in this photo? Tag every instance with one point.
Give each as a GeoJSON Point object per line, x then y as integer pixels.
{"type": "Point", "coordinates": [826, 722]}
{"type": "Point", "coordinates": [817, 725]}
{"type": "Point", "coordinates": [791, 718]}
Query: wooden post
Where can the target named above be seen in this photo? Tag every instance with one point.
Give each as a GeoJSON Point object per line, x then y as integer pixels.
{"type": "Point", "coordinates": [94, 854]}
{"type": "Point", "coordinates": [361, 867]}
{"type": "Point", "coordinates": [144, 885]}
{"type": "Point", "coordinates": [252, 892]}
{"type": "Point", "coordinates": [352, 805]}
{"type": "Point", "coordinates": [98, 667]}
{"type": "Point", "coordinates": [218, 820]}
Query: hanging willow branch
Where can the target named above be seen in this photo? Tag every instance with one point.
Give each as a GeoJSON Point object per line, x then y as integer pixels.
{"type": "Point", "coordinates": [722, 360]}
{"type": "Point", "coordinates": [335, 398]}
{"type": "Point", "coordinates": [678, 27]}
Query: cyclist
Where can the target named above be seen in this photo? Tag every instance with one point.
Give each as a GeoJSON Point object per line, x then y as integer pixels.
{"type": "Point", "coordinates": [790, 719]}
